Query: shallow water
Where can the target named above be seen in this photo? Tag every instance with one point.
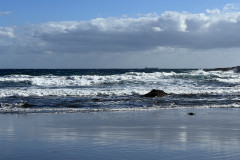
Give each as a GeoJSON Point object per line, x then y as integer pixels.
{"type": "Point", "coordinates": [160, 134]}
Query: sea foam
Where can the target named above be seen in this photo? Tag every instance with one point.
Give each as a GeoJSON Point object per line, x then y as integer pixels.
{"type": "Point", "coordinates": [193, 82]}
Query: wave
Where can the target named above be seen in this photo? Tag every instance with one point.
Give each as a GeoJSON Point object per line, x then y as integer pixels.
{"type": "Point", "coordinates": [85, 80]}
{"type": "Point", "coordinates": [121, 91]}
{"type": "Point", "coordinates": [115, 91]}
{"type": "Point", "coordinates": [67, 92]}
{"type": "Point", "coordinates": [19, 110]}
{"type": "Point", "coordinates": [130, 77]}
{"type": "Point", "coordinates": [130, 83]}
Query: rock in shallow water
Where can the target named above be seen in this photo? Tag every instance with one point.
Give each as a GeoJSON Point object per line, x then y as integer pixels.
{"type": "Point", "coordinates": [96, 99]}
{"type": "Point", "coordinates": [155, 93]}
{"type": "Point", "coordinates": [191, 114]}
{"type": "Point", "coordinates": [26, 105]}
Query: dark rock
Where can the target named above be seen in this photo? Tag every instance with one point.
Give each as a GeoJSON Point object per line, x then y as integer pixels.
{"type": "Point", "coordinates": [235, 69]}
{"type": "Point", "coordinates": [96, 100]}
{"type": "Point", "coordinates": [191, 114]}
{"type": "Point", "coordinates": [27, 105]}
{"type": "Point", "coordinates": [155, 93]}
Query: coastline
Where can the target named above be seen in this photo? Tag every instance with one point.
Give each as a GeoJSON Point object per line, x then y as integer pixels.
{"type": "Point", "coordinates": [212, 133]}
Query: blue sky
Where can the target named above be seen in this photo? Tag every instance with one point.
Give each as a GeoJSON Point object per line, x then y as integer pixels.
{"type": "Point", "coordinates": [119, 34]}
{"type": "Point", "coordinates": [39, 11]}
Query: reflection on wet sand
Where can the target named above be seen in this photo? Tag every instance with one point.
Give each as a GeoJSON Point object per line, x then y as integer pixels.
{"type": "Point", "coordinates": [171, 134]}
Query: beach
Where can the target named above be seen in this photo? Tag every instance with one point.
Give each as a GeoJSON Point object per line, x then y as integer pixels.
{"type": "Point", "coordinates": [119, 80]}
{"type": "Point", "coordinates": [111, 114]}
{"type": "Point", "coordinates": [212, 133]}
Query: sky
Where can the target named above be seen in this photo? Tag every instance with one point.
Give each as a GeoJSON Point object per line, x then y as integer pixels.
{"type": "Point", "coordinates": [119, 34]}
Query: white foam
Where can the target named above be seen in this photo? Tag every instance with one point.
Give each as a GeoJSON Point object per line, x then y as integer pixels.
{"type": "Point", "coordinates": [6, 109]}
{"type": "Point", "coordinates": [68, 92]}
{"type": "Point", "coordinates": [86, 80]}
{"type": "Point", "coordinates": [127, 84]}
{"type": "Point", "coordinates": [117, 91]}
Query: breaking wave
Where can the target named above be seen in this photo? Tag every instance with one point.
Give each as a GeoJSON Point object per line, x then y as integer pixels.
{"type": "Point", "coordinates": [195, 82]}
{"type": "Point", "coordinates": [42, 92]}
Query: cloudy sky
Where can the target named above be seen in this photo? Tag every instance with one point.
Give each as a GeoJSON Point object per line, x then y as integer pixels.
{"type": "Point", "coordinates": [119, 34]}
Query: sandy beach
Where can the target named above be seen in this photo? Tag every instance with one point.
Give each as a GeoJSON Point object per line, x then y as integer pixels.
{"type": "Point", "coordinates": [119, 80]}
{"type": "Point", "coordinates": [156, 134]}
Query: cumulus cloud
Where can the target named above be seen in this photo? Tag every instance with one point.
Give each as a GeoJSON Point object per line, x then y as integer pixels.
{"type": "Point", "coordinates": [6, 32]}
{"type": "Point", "coordinates": [210, 30]}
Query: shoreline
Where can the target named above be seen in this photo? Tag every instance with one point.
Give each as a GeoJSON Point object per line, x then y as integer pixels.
{"type": "Point", "coordinates": [105, 110]}
{"type": "Point", "coordinates": [160, 134]}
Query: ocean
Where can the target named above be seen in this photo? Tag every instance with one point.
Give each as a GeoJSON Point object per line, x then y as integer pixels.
{"type": "Point", "coordinates": [101, 114]}
{"type": "Point", "coordinates": [96, 90]}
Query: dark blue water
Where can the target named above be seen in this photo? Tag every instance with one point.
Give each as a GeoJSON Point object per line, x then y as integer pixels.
{"type": "Point", "coordinates": [87, 90]}
{"type": "Point", "coordinates": [69, 72]}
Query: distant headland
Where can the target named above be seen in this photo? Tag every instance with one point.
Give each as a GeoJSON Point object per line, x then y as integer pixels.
{"type": "Point", "coordinates": [236, 69]}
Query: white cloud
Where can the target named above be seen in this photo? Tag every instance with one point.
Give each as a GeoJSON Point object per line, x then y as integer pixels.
{"type": "Point", "coordinates": [213, 11]}
{"type": "Point", "coordinates": [6, 32]}
{"type": "Point", "coordinates": [169, 32]}
{"type": "Point", "coordinates": [213, 29]}
{"type": "Point", "coordinates": [231, 8]}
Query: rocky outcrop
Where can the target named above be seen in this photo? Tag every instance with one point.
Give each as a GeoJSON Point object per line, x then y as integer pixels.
{"type": "Point", "coordinates": [235, 69]}
{"type": "Point", "coordinates": [191, 114]}
{"type": "Point", "coordinates": [26, 105]}
{"type": "Point", "coordinates": [155, 93]}
{"type": "Point", "coordinates": [96, 99]}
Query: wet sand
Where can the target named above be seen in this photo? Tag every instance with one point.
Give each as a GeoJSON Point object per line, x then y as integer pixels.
{"type": "Point", "coordinates": [157, 134]}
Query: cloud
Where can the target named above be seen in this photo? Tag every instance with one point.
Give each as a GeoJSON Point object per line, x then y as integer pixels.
{"type": "Point", "coordinates": [213, 29]}
{"type": "Point", "coordinates": [6, 32]}
{"type": "Point", "coordinates": [231, 8]}
{"type": "Point", "coordinates": [5, 13]}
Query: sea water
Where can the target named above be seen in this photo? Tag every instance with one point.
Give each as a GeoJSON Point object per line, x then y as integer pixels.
{"type": "Point", "coordinates": [87, 90]}
{"type": "Point", "coordinates": [152, 128]}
